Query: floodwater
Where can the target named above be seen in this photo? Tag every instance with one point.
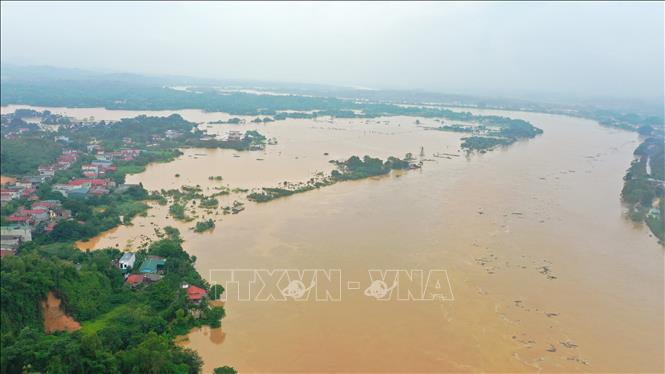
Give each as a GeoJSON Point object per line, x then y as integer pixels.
{"type": "Point", "coordinates": [546, 272]}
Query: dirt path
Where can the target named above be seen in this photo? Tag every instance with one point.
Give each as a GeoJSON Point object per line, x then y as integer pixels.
{"type": "Point", "coordinates": [55, 318]}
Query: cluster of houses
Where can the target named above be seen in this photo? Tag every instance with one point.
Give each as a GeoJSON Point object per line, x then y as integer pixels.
{"type": "Point", "coordinates": [26, 187]}
{"type": "Point", "coordinates": [45, 214]}
{"type": "Point", "coordinates": [64, 162]}
{"type": "Point", "coordinates": [83, 187]}
{"type": "Point", "coordinates": [152, 270]}
{"type": "Point", "coordinates": [16, 133]}
{"type": "Point", "coordinates": [103, 163]}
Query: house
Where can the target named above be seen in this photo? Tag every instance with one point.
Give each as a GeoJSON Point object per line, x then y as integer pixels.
{"type": "Point", "coordinates": [196, 294]}
{"type": "Point", "coordinates": [89, 182]}
{"type": "Point", "coordinates": [78, 192]}
{"type": "Point", "coordinates": [103, 156]}
{"type": "Point", "coordinates": [24, 183]}
{"type": "Point", "coordinates": [48, 204]}
{"type": "Point", "coordinates": [171, 134]}
{"type": "Point", "coordinates": [37, 215]}
{"type": "Point", "coordinates": [10, 194]}
{"type": "Point", "coordinates": [152, 277]}
{"type": "Point", "coordinates": [17, 219]}
{"type": "Point", "coordinates": [33, 179]}
{"type": "Point", "coordinates": [90, 171]}
{"type": "Point", "coordinates": [64, 189]}
{"type": "Point", "coordinates": [9, 243]}
{"type": "Point", "coordinates": [6, 196]}
{"type": "Point", "coordinates": [135, 279]}
{"type": "Point", "coordinates": [125, 187]}
{"type": "Point", "coordinates": [153, 265]}
{"type": "Point", "coordinates": [29, 216]}
{"type": "Point", "coordinates": [126, 154]}
{"type": "Point", "coordinates": [233, 136]}
{"type": "Point", "coordinates": [126, 261]}
{"type": "Point", "coordinates": [23, 232]}
{"type": "Point", "coordinates": [105, 183]}
{"type": "Point", "coordinates": [98, 191]}
{"type": "Point", "coordinates": [28, 192]}
{"type": "Point", "coordinates": [46, 170]}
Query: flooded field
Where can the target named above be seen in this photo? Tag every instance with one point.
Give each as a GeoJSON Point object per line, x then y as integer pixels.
{"type": "Point", "coordinates": [546, 272]}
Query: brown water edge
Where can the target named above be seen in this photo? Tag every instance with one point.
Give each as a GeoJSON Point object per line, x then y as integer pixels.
{"type": "Point", "coordinates": [549, 202]}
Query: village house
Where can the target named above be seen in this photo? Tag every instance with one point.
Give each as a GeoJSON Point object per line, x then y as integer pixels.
{"type": "Point", "coordinates": [153, 265]}
{"type": "Point", "coordinates": [233, 136]}
{"type": "Point", "coordinates": [104, 156]}
{"type": "Point", "coordinates": [70, 191]}
{"type": "Point", "coordinates": [134, 280]}
{"type": "Point", "coordinates": [83, 187]}
{"type": "Point", "coordinates": [22, 232]}
{"type": "Point", "coordinates": [126, 261]}
{"type": "Point", "coordinates": [8, 194]}
{"type": "Point", "coordinates": [126, 154]}
{"type": "Point", "coordinates": [171, 134]}
{"type": "Point", "coordinates": [89, 171]}
{"type": "Point", "coordinates": [196, 294]}
{"type": "Point", "coordinates": [8, 245]}
{"type": "Point", "coordinates": [32, 180]}
{"type": "Point", "coordinates": [11, 237]}
{"type": "Point", "coordinates": [66, 159]}
{"type": "Point", "coordinates": [46, 170]}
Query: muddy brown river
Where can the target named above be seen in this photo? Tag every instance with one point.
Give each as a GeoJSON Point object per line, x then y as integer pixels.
{"type": "Point", "coordinates": [547, 273]}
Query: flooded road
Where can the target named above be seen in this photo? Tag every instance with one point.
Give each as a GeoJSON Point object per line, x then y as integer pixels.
{"type": "Point", "coordinates": [546, 272]}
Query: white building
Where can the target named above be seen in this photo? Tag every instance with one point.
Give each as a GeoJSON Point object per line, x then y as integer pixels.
{"type": "Point", "coordinates": [23, 232]}
{"type": "Point", "coordinates": [127, 260]}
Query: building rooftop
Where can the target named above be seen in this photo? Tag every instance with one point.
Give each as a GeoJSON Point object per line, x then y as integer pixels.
{"type": "Point", "coordinates": [151, 264]}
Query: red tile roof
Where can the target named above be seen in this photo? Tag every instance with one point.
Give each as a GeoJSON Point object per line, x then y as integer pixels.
{"type": "Point", "coordinates": [135, 279]}
{"type": "Point", "coordinates": [196, 293]}
{"type": "Point", "coordinates": [32, 211]}
{"type": "Point", "coordinates": [14, 218]}
{"type": "Point", "coordinates": [94, 182]}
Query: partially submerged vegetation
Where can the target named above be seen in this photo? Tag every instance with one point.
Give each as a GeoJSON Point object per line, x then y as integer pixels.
{"type": "Point", "coordinates": [206, 225]}
{"type": "Point", "coordinates": [493, 131]}
{"type": "Point", "coordinates": [352, 169]}
{"type": "Point", "coordinates": [644, 184]}
{"type": "Point", "coordinates": [177, 211]}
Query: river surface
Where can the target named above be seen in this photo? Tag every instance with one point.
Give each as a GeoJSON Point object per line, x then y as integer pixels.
{"type": "Point", "coordinates": [546, 272]}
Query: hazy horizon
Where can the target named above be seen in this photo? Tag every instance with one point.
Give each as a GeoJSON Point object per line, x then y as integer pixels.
{"type": "Point", "coordinates": [508, 49]}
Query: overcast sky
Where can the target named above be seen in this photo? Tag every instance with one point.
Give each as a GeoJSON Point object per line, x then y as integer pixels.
{"type": "Point", "coordinates": [599, 49]}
